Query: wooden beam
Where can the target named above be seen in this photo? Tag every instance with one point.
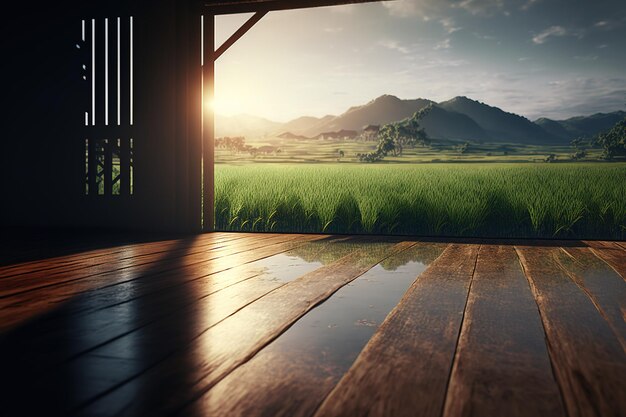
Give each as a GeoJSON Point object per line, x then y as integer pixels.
{"type": "Point", "coordinates": [238, 34]}
{"type": "Point", "coordinates": [247, 6]}
{"type": "Point", "coordinates": [208, 125]}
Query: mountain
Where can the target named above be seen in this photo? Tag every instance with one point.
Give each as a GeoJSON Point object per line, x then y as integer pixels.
{"type": "Point", "coordinates": [554, 128]}
{"type": "Point", "coordinates": [443, 124]}
{"type": "Point", "coordinates": [384, 109]}
{"type": "Point", "coordinates": [306, 125]}
{"type": "Point", "coordinates": [244, 125]}
{"type": "Point", "coordinates": [582, 125]}
{"type": "Point", "coordinates": [460, 118]}
{"type": "Point", "coordinates": [500, 125]}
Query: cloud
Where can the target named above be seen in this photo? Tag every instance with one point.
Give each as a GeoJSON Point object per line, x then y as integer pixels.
{"type": "Point", "coordinates": [586, 57]}
{"type": "Point", "coordinates": [410, 8]}
{"type": "Point", "coordinates": [445, 44]}
{"type": "Point", "coordinates": [528, 4]}
{"type": "Point", "coordinates": [448, 24]}
{"type": "Point", "coordinates": [607, 24]}
{"type": "Point", "coordinates": [480, 7]}
{"type": "Point", "coordinates": [439, 8]}
{"type": "Point", "coordinates": [394, 46]}
{"type": "Point", "coordinates": [581, 96]}
{"type": "Point", "coordinates": [552, 31]}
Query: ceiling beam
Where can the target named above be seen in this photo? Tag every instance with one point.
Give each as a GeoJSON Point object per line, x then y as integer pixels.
{"type": "Point", "coordinates": [239, 33]}
{"type": "Point", "coordinates": [219, 7]}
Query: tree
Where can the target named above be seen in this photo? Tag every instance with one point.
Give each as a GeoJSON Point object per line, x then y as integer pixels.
{"type": "Point", "coordinates": [579, 146]}
{"type": "Point", "coordinates": [613, 141]}
{"type": "Point", "coordinates": [394, 137]}
{"type": "Point", "coordinates": [550, 158]}
{"type": "Point", "coordinates": [463, 147]}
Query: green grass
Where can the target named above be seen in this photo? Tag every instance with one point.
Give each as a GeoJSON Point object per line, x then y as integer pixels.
{"type": "Point", "coordinates": [577, 200]}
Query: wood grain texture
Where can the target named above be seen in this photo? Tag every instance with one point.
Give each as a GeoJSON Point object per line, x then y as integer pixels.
{"type": "Point", "coordinates": [162, 301]}
{"type": "Point", "coordinates": [301, 367]}
{"type": "Point", "coordinates": [404, 369]}
{"type": "Point", "coordinates": [223, 347]}
{"type": "Point", "coordinates": [118, 263]}
{"type": "Point", "coordinates": [122, 252]}
{"type": "Point", "coordinates": [611, 253]}
{"type": "Point", "coordinates": [112, 288]}
{"type": "Point", "coordinates": [601, 283]}
{"type": "Point", "coordinates": [502, 367]}
{"type": "Point", "coordinates": [588, 360]}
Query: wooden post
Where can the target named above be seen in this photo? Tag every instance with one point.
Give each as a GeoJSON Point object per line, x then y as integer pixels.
{"type": "Point", "coordinates": [208, 126]}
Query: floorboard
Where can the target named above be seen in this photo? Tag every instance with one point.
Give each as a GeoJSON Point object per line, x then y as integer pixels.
{"type": "Point", "coordinates": [301, 364]}
{"type": "Point", "coordinates": [612, 253]}
{"type": "Point", "coordinates": [588, 359]}
{"type": "Point", "coordinates": [247, 324]}
{"type": "Point", "coordinates": [601, 283]}
{"type": "Point", "coordinates": [404, 369]}
{"type": "Point", "coordinates": [502, 367]}
{"type": "Point", "coordinates": [225, 346]}
{"type": "Point", "coordinates": [29, 303]}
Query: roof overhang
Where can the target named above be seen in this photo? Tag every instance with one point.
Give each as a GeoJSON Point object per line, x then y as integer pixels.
{"type": "Point", "coordinates": [247, 6]}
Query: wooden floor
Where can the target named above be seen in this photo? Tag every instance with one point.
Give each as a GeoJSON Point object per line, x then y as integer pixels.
{"type": "Point", "coordinates": [226, 324]}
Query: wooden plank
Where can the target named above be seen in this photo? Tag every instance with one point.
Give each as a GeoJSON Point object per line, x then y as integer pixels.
{"type": "Point", "coordinates": [208, 124]}
{"type": "Point", "coordinates": [612, 253]}
{"type": "Point", "coordinates": [190, 372]}
{"type": "Point", "coordinates": [190, 293]}
{"type": "Point", "coordinates": [143, 340]}
{"type": "Point", "coordinates": [588, 360]}
{"type": "Point", "coordinates": [601, 283]}
{"type": "Point", "coordinates": [27, 305]}
{"type": "Point", "coordinates": [502, 367]}
{"type": "Point", "coordinates": [296, 365]}
{"type": "Point", "coordinates": [125, 252]}
{"type": "Point", "coordinates": [186, 251]}
{"type": "Point", "coordinates": [404, 369]}
{"type": "Point", "coordinates": [247, 6]}
{"type": "Point", "coordinates": [101, 256]}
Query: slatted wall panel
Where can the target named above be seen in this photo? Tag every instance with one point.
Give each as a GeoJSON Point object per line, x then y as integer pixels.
{"type": "Point", "coordinates": [106, 48]}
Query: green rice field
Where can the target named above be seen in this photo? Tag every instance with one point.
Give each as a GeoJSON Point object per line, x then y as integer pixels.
{"type": "Point", "coordinates": [564, 200]}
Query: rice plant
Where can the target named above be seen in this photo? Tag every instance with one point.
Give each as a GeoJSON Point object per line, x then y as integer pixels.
{"type": "Point", "coordinates": [579, 200]}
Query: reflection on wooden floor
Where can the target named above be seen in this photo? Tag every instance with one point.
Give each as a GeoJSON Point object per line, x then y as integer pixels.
{"type": "Point", "coordinates": [226, 324]}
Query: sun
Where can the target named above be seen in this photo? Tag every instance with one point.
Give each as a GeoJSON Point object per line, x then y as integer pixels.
{"type": "Point", "coordinates": [226, 106]}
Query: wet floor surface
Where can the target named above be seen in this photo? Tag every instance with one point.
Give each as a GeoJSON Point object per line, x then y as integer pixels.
{"type": "Point", "coordinates": [249, 324]}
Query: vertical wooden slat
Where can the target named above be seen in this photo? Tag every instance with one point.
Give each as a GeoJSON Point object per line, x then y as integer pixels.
{"type": "Point", "coordinates": [124, 54]}
{"type": "Point", "coordinates": [100, 72]}
{"type": "Point", "coordinates": [108, 166]}
{"type": "Point", "coordinates": [123, 98]}
{"type": "Point", "coordinates": [208, 128]}
{"type": "Point", "coordinates": [112, 71]}
{"type": "Point", "coordinates": [194, 122]}
{"type": "Point", "coordinates": [92, 166]}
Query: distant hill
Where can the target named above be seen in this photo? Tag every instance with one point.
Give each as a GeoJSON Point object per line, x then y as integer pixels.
{"type": "Point", "coordinates": [500, 125]}
{"type": "Point", "coordinates": [460, 118]}
{"type": "Point", "coordinates": [244, 125]}
{"type": "Point", "coordinates": [289, 135]}
{"type": "Point", "coordinates": [582, 125]}
{"type": "Point", "coordinates": [384, 109]}
{"type": "Point", "coordinates": [306, 125]}
{"type": "Point", "coordinates": [443, 124]}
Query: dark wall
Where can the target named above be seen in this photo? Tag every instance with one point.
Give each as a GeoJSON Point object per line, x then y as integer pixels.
{"type": "Point", "coordinates": [42, 155]}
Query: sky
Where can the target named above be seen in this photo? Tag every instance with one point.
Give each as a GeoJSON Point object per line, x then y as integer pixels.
{"type": "Point", "coordinates": [537, 58]}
